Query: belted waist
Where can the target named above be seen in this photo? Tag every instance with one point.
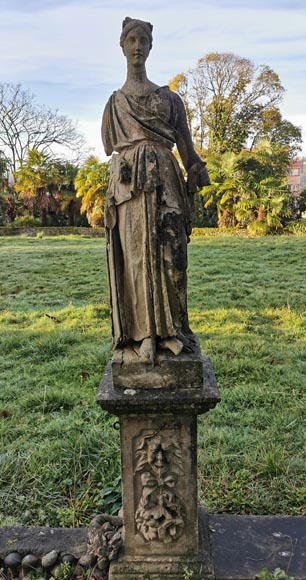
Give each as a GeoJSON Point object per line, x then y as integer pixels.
{"type": "Point", "coordinates": [150, 142]}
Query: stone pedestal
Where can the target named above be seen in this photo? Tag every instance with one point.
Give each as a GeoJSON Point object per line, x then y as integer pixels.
{"type": "Point", "coordinates": [157, 409]}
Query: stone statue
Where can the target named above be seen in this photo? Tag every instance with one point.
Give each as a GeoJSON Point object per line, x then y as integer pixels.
{"type": "Point", "coordinates": [148, 210]}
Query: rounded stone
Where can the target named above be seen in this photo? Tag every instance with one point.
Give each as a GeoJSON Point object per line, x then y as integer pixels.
{"type": "Point", "coordinates": [30, 561]}
{"type": "Point", "coordinates": [70, 558]}
{"type": "Point", "coordinates": [87, 560]}
{"type": "Point", "coordinates": [49, 559]}
{"type": "Point", "coordinates": [12, 559]}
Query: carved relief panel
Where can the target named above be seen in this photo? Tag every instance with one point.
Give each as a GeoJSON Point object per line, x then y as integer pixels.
{"type": "Point", "coordinates": [158, 466]}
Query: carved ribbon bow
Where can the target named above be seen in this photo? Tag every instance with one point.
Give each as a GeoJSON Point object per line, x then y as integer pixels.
{"type": "Point", "coordinates": [155, 481]}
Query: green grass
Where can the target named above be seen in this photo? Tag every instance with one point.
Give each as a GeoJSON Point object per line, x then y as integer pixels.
{"type": "Point", "coordinates": [59, 453]}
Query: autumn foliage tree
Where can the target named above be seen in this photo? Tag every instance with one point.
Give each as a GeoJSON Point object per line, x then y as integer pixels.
{"type": "Point", "coordinates": [91, 185]}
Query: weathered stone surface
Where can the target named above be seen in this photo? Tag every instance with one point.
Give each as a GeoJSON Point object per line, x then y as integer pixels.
{"type": "Point", "coordinates": [103, 541]}
{"type": "Point", "coordinates": [163, 568]}
{"type": "Point", "coordinates": [159, 485]}
{"type": "Point", "coordinates": [169, 567]}
{"type": "Point", "coordinates": [204, 394]}
{"type": "Point", "coordinates": [184, 371]}
{"type": "Point", "coordinates": [158, 424]}
{"type": "Point", "coordinates": [70, 558]}
{"type": "Point", "coordinates": [12, 559]}
{"type": "Point", "coordinates": [30, 561]}
{"type": "Point", "coordinates": [238, 546]}
{"type": "Point", "coordinates": [41, 540]}
{"type": "Point", "coordinates": [148, 209]}
{"type": "Point", "coordinates": [49, 559]}
{"type": "Point", "coordinates": [243, 545]}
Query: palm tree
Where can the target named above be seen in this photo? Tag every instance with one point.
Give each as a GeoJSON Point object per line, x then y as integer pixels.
{"type": "Point", "coordinates": [227, 187]}
{"type": "Point", "coordinates": [264, 204]}
{"type": "Point", "coordinates": [265, 207]}
{"type": "Point", "coordinates": [33, 183]}
{"type": "Point", "coordinates": [249, 188]}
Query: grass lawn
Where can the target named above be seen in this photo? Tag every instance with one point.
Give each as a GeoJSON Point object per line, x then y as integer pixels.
{"type": "Point", "coordinates": [59, 453]}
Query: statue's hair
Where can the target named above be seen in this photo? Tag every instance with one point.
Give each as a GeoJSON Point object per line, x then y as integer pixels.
{"type": "Point", "coordinates": [130, 23]}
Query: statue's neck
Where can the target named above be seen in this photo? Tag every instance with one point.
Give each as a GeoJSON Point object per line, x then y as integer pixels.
{"type": "Point", "coordinates": [137, 82]}
{"type": "Point", "coordinates": [136, 75]}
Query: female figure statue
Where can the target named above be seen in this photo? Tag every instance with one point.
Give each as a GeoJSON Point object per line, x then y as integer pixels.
{"type": "Point", "coordinates": [149, 206]}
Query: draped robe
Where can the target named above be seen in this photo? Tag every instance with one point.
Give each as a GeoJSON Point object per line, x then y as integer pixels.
{"type": "Point", "coordinates": [147, 217]}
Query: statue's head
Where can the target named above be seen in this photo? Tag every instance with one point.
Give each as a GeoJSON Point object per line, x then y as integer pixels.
{"type": "Point", "coordinates": [136, 41]}
{"type": "Point", "coordinates": [129, 24]}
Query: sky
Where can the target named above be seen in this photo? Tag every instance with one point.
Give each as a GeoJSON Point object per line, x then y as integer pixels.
{"type": "Point", "coordinates": [67, 53]}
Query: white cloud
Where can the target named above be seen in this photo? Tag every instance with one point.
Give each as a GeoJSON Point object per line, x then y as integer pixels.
{"type": "Point", "coordinates": [68, 54]}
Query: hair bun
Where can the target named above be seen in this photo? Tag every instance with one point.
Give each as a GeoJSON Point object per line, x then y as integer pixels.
{"type": "Point", "coordinates": [126, 21]}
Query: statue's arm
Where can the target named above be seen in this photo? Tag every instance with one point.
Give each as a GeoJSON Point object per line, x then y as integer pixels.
{"type": "Point", "coordinates": [105, 129]}
{"type": "Point", "coordinates": [195, 167]}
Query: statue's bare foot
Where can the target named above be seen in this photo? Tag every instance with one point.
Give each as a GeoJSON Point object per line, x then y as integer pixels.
{"type": "Point", "coordinates": [147, 351]}
{"type": "Point", "coordinates": [173, 344]}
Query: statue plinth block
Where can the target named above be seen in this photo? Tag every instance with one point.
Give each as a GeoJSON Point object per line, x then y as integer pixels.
{"type": "Point", "coordinates": [168, 372]}
{"type": "Point", "coordinates": [127, 389]}
{"type": "Point", "coordinates": [158, 429]}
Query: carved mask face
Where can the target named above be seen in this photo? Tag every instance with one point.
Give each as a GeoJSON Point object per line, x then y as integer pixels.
{"type": "Point", "coordinates": [157, 456]}
{"type": "Point", "coordinates": [136, 46]}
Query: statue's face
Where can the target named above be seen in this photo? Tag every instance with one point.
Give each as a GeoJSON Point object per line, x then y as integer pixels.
{"type": "Point", "coordinates": [136, 46]}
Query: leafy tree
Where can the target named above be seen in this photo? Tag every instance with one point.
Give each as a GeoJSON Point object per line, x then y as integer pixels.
{"type": "Point", "coordinates": [179, 84]}
{"type": "Point", "coordinates": [278, 131]}
{"type": "Point", "coordinates": [301, 204]}
{"type": "Point", "coordinates": [25, 125]}
{"type": "Point", "coordinates": [9, 205]}
{"type": "Point", "coordinates": [91, 185]}
{"type": "Point", "coordinates": [232, 101]}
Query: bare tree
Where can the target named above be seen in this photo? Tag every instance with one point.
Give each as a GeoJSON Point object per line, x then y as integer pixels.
{"type": "Point", "coordinates": [25, 125]}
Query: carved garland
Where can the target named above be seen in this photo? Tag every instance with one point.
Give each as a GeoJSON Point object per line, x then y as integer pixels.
{"type": "Point", "coordinates": [160, 515]}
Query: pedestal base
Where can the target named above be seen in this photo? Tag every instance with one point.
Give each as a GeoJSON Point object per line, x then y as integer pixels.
{"type": "Point", "coordinates": [162, 569]}
{"type": "Point", "coordinates": [169, 567]}
{"type": "Point", "coordinates": [158, 430]}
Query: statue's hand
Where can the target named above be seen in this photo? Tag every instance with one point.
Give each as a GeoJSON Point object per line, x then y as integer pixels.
{"type": "Point", "coordinates": [203, 177]}
{"type": "Point", "coordinates": [197, 177]}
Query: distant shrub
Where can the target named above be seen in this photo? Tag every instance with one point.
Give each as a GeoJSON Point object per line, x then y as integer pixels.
{"type": "Point", "coordinates": [26, 221]}
{"type": "Point", "coordinates": [30, 231]}
{"type": "Point", "coordinates": [219, 232]}
{"type": "Point", "coordinates": [297, 228]}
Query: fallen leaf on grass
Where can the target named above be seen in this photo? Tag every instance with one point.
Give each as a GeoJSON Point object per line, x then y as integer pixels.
{"type": "Point", "coordinates": [4, 414]}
